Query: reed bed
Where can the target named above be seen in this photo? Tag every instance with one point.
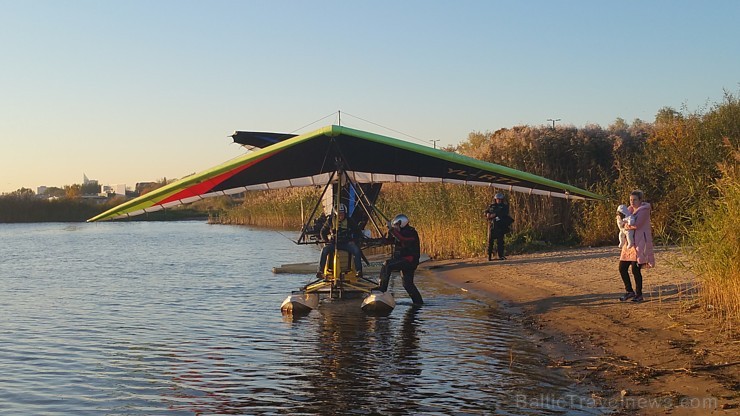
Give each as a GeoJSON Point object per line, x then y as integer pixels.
{"type": "Point", "coordinates": [449, 218]}
{"type": "Point", "coordinates": [715, 247]}
{"type": "Point", "coordinates": [281, 208]}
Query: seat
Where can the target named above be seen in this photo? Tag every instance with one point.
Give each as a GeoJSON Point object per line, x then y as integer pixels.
{"type": "Point", "coordinates": [345, 262]}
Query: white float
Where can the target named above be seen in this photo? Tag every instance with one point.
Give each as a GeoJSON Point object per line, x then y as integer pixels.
{"type": "Point", "coordinates": [378, 302]}
{"type": "Point", "coordinates": [300, 303]}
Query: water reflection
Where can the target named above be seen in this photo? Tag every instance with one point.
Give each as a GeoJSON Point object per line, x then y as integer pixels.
{"type": "Point", "coordinates": [196, 329]}
{"type": "Point", "coordinates": [407, 346]}
{"type": "Point", "coordinates": [363, 362]}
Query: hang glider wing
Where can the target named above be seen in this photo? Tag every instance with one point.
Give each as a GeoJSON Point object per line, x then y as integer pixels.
{"type": "Point", "coordinates": [310, 159]}
{"type": "Point", "coordinates": [259, 139]}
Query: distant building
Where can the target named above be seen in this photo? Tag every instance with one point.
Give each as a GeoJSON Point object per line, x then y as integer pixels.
{"type": "Point", "coordinates": [41, 190]}
{"type": "Point", "coordinates": [110, 190]}
{"type": "Point", "coordinates": [120, 189]}
{"type": "Point", "coordinates": [106, 190]}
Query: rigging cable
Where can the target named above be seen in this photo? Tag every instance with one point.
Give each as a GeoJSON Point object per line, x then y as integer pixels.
{"type": "Point", "coordinates": [339, 115]}
{"type": "Point", "coordinates": [388, 128]}
{"type": "Point", "coordinates": [314, 122]}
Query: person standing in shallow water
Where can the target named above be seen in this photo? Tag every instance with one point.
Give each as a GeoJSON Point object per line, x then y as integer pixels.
{"type": "Point", "coordinates": [497, 215]}
{"type": "Point", "coordinates": [640, 256]}
{"type": "Point", "coordinates": [406, 253]}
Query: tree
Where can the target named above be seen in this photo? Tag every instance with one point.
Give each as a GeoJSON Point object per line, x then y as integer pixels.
{"type": "Point", "coordinates": [618, 125]}
{"type": "Point", "coordinates": [73, 191]}
{"type": "Point", "coordinates": [23, 193]}
{"type": "Point", "coordinates": [54, 192]}
{"type": "Point", "coordinates": [667, 115]}
{"type": "Point", "coordinates": [90, 188]}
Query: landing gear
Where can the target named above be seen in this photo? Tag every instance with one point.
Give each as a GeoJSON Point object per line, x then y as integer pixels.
{"type": "Point", "coordinates": [339, 280]}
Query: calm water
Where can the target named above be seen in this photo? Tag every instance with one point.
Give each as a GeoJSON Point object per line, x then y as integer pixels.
{"type": "Point", "coordinates": [183, 318]}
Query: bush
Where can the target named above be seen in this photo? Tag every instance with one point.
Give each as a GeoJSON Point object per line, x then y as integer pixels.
{"type": "Point", "coordinates": [715, 245]}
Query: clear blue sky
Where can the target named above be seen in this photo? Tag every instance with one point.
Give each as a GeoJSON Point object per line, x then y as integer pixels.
{"type": "Point", "coordinates": [129, 91]}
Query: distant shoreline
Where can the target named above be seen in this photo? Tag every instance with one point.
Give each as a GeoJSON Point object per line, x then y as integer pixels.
{"type": "Point", "coordinates": [30, 210]}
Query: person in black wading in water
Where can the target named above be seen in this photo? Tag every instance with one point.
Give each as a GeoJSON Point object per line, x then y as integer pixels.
{"type": "Point", "coordinates": [406, 253]}
{"type": "Point", "coordinates": [499, 222]}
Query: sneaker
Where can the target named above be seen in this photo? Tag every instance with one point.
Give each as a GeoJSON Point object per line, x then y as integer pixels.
{"type": "Point", "coordinates": [627, 296]}
{"type": "Point", "coordinates": [502, 258]}
{"type": "Point", "coordinates": [638, 299]}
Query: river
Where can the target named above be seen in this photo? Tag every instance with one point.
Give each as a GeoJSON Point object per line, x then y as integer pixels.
{"type": "Point", "coordinates": [183, 318]}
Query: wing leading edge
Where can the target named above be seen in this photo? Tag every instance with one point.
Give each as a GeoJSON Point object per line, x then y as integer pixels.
{"type": "Point", "coordinates": [311, 158]}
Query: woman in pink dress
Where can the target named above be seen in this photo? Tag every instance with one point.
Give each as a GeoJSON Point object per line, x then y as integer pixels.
{"type": "Point", "coordinates": [640, 256]}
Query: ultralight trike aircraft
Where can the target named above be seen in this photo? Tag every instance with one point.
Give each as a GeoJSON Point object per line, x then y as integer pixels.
{"type": "Point", "coordinates": [351, 166]}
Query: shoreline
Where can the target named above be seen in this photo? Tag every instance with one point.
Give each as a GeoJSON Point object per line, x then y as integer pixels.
{"type": "Point", "coordinates": [664, 355]}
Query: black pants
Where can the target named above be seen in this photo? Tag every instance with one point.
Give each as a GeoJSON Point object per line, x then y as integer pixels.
{"type": "Point", "coordinates": [624, 272]}
{"type": "Point", "coordinates": [407, 272]}
{"type": "Point", "coordinates": [494, 235]}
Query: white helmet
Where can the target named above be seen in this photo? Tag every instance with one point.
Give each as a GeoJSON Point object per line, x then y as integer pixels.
{"type": "Point", "coordinates": [342, 209]}
{"type": "Point", "coordinates": [401, 220]}
{"type": "Point", "coordinates": [499, 196]}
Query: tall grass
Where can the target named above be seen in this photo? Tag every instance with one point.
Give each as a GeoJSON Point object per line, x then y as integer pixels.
{"type": "Point", "coordinates": [281, 208]}
{"type": "Point", "coordinates": [715, 245]}
{"type": "Point", "coordinates": [448, 218]}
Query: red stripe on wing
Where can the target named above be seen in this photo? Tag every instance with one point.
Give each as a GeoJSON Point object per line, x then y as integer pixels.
{"type": "Point", "coordinates": [207, 185]}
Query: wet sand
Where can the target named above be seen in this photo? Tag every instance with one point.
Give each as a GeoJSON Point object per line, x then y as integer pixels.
{"type": "Point", "coordinates": [662, 356]}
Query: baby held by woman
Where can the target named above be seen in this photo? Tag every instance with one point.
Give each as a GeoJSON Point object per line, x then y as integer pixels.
{"type": "Point", "coordinates": [624, 217]}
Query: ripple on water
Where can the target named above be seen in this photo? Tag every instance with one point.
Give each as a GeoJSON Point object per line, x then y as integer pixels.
{"type": "Point", "coordinates": [183, 318]}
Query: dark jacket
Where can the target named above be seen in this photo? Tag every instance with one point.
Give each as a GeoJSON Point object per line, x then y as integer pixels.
{"type": "Point", "coordinates": [499, 218]}
{"type": "Point", "coordinates": [406, 244]}
{"type": "Point", "coordinates": [348, 229]}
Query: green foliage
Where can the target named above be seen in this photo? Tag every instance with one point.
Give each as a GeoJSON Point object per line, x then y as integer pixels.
{"type": "Point", "coordinates": [90, 188]}
{"type": "Point", "coordinates": [449, 218]}
{"type": "Point", "coordinates": [22, 193]}
{"type": "Point", "coordinates": [281, 208]}
{"type": "Point", "coordinates": [73, 191]}
{"type": "Point", "coordinates": [30, 209]}
{"type": "Point", "coordinates": [54, 192]}
{"type": "Point", "coordinates": [526, 240]}
{"type": "Point", "coordinates": [715, 244]}
{"type": "Point", "coordinates": [595, 225]}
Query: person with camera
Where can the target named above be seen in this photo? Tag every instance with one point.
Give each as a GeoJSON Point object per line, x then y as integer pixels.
{"type": "Point", "coordinates": [499, 222]}
{"type": "Point", "coordinates": [406, 253]}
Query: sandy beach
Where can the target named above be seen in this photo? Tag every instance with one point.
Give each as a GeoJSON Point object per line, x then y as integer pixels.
{"type": "Point", "coordinates": [662, 356]}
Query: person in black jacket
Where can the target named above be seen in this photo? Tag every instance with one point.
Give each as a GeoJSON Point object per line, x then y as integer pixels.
{"type": "Point", "coordinates": [349, 231]}
{"type": "Point", "coordinates": [406, 253]}
{"type": "Point", "coordinates": [499, 222]}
